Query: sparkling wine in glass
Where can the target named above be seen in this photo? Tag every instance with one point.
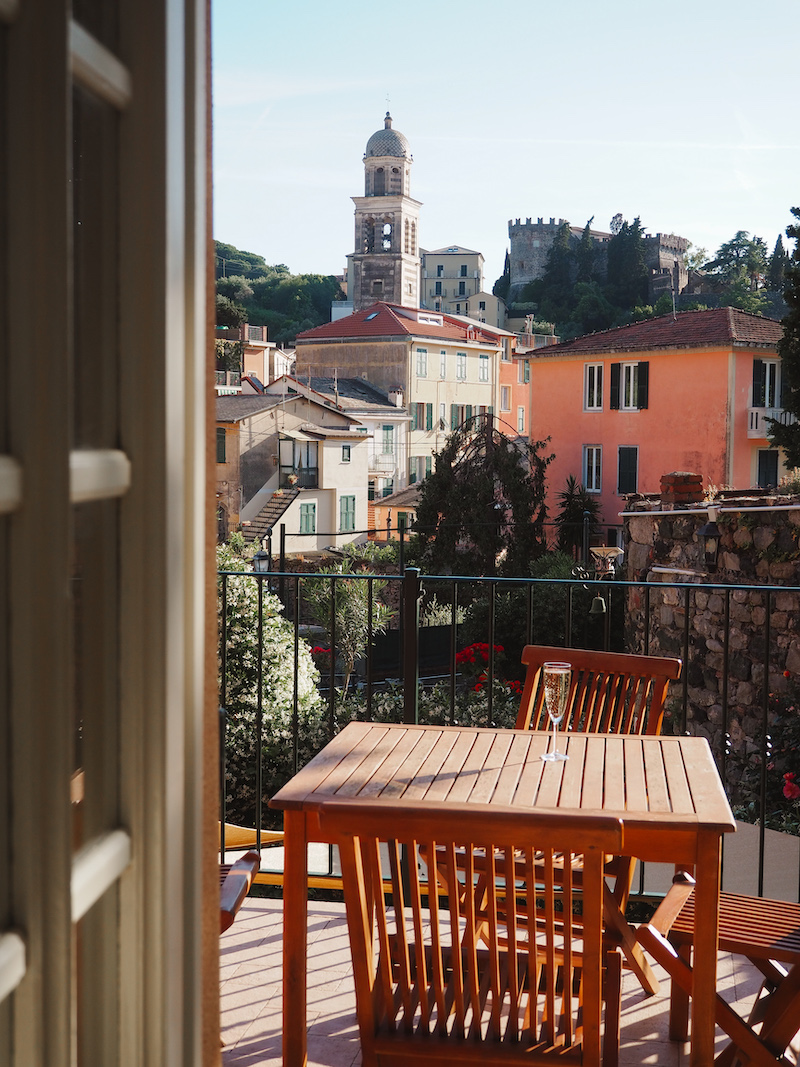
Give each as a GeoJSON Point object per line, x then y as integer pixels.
{"type": "Point", "coordinates": [556, 690]}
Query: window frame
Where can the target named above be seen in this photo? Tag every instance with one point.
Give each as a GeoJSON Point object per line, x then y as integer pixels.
{"type": "Point", "coordinates": [593, 387]}
{"type": "Point", "coordinates": [461, 366]}
{"type": "Point", "coordinates": [505, 398]}
{"type": "Point", "coordinates": [442, 363]}
{"type": "Point", "coordinates": [520, 418]}
{"type": "Point", "coordinates": [422, 363]}
{"type": "Point", "coordinates": [593, 468]}
{"type": "Point", "coordinates": [346, 454]}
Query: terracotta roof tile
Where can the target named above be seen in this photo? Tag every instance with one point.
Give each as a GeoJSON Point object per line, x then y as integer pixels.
{"type": "Point", "coordinates": [391, 320]}
{"type": "Point", "coordinates": [689, 329]}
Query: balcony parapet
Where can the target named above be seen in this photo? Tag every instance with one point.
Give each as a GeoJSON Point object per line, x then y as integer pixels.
{"type": "Point", "coordinates": [758, 423]}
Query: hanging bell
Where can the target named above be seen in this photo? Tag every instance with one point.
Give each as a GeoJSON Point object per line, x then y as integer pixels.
{"type": "Point", "coordinates": [598, 606]}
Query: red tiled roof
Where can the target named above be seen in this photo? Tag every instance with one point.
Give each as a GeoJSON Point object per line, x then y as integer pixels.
{"type": "Point", "coordinates": [391, 320]}
{"type": "Point", "coordinates": [689, 329]}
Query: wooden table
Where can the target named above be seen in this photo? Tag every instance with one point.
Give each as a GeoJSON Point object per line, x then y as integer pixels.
{"type": "Point", "coordinates": [666, 789]}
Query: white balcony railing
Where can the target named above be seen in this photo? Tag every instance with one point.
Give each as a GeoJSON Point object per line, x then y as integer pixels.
{"type": "Point", "coordinates": [758, 425]}
{"type": "Point", "coordinates": [383, 462]}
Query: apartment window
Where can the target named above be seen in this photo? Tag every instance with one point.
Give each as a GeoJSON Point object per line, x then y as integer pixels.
{"type": "Point", "coordinates": [765, 384]}
{"type": "Point", "coordinates": [483, 368]}
{"type": "Point", "coordinates": [524, 373]}
{"type": "Point", "coordinates": [592, 468]}
{"type": "Point", "coordinates": [387, 440]}
{"type": "Point", "coordinates": [308, 518]}
{"type": "Point", "coordinates": [439, 270]}
{"type": "Point", "coordinates": [442, 364]}
{"type": "Point", "coordinates": [422, 363]}
{"type": "Point", "coordinates": [505, 398]}
{"type": "Point", "coordinates": [442, 416]}
{"type": "Point", "coordinates": [767, 474]}
{"type": "Point", "coordinates": [345, 453]}
{"type": "Point", "coordinates": [629, 386]}
{"type": "Point", "coordinates": [220, 445]}
{"type": "Point", "coordinates": [388, 487]}
{"type": "Point", "coordinates": [462, 288]}
{"type": "Point", "coordinates": [457, 415]}
{"type": "Point", "coordinates": [347, 514]}
{"type": "Point", "coordinates": [481, 305]}
{"type": "Point", "coordinates": [402, 520]}
{"type": "Point", "coordinates": [419, 418]}
{"type": "Point", "coordinates": [520, 420]}
{"type": "Point", "coordinates": [371, 489]}
{"type": "Point", "coordinates": [461, 366]}
{"type": "Point", "coordinates": [437, 305]}
{"type": "Point", "coordinates": [413, 469]}
{"type": "Point", "coordinates": [627, 469]}
{"type": "Point", "coordinates": [437, 289]}
{"type": "Point", "coordinates": [463, 270]}
{"type": "Point", "coordinates": [593, 387]}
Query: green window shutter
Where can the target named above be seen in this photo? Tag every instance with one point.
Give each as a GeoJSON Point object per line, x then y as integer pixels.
{"type": "Point", "coordinates": [643, 385]}
{"type": "Point", "coordinates": [429, 416]}
{"type": "Point", "coordinates": [220, 444]}
{"type": "Point", "coordinates": [759, 383]}
{"type": "Point", "coordinates": [490, 410]}
{"type": "Point", "coordinates": [613, 402]}
{"type": "Point", "coordinates": [454, 416]}
{"type": "Point", "coordinates": [428, 465]}
{"type": "Point", "coordinates": [468, 412]}
{"type": "Point", "coordinates": [412, 470]}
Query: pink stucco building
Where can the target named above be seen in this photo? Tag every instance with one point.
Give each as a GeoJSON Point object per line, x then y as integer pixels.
{"type": "Point", "coordinates": [690, 392]}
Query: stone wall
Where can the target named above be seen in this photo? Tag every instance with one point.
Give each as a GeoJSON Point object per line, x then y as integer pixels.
{"type": "Point", "coordinates": [759, 547]}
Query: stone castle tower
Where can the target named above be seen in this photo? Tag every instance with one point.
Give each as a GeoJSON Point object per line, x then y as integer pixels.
{"type": "Point", "coordinates": [385, 264]}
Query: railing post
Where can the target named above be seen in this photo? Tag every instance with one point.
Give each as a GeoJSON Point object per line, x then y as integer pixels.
{"type": "Point", "coordinates": [282, 564]}
{"type": "Point", "coordinates": [401, 529]}
{"type": "Point", "coordinates": [411, 595]}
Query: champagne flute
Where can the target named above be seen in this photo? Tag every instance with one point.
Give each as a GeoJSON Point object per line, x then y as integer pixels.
{"type": "Point", "coordinates": [557, 677]}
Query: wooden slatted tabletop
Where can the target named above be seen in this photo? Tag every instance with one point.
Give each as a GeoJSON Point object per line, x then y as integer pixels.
{"type": "Point", "coordinates": [666, 790]}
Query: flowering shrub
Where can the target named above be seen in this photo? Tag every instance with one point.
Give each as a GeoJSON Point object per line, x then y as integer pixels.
{"type": "Point", "coordinates": [438, 705]}
{"type": "Point", "coordinates": [473, 660]}
{"type": "Point", "coordinates": [277, 690]}
{"type": "Point", "coordinates": [782, 808]}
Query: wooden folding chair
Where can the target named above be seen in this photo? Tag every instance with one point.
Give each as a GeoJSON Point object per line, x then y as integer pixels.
{"type": "Point", "coordinates": [428, 989]}
{"type": "Point", "coordinates": [235, 880]}
{"type": "Point", "coordinates": [767, 932]}
{"type": "Point", "coordinates": [610, 692]}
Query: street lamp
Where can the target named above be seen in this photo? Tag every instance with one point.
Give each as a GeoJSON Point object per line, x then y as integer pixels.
{"type": "Point", "coordinates": [708, 535]}
{"type": "Point", "coordinates": [262, 560]}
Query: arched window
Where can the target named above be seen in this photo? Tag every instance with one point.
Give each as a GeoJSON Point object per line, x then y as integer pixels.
{"type": "Point", "coordinates": [413, 238]}
{"type": "Point", "coordinates": [386, 237]}
{"type": "Point", "coordinates": [408, 237]}
{"type": "Point", "coordinates": [379, 182]}
{"type": "Point", "coordinates": [369, 235]}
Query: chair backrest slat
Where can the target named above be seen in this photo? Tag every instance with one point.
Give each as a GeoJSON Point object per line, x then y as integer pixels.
{"type": "Point", "coordinates": [475, 967]}
{"type": "Point", "coordinates": [610, 692]}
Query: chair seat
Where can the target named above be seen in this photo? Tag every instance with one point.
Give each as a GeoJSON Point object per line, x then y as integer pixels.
{"type": "Point", "coordinates": [750, 926]}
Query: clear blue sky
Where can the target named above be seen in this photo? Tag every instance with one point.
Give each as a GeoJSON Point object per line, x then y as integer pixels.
{"type": "Point", "coordinates": [684, 113]}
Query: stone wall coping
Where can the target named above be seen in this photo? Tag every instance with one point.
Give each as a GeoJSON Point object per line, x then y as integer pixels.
{"type": "Point", "coordinates": [719, 508]}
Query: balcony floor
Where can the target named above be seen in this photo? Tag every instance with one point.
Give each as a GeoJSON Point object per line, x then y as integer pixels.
{"type": "Point", "coordinates": [250, 971]}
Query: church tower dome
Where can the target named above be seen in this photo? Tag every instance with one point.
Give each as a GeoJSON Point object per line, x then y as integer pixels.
{"type": "Point", "coordinates": [385, 264]}
{"type": "Point", "coordinates": [388, 142]}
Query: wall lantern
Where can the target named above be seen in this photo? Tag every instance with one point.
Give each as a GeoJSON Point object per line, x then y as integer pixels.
{"type": "Point", "coordinates": [262, 560]}
{"type": "Point", "coordinates": [709, 535]}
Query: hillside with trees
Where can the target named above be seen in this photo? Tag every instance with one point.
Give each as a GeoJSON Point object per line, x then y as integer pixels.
{"type": "Point", "coordinates": [251, 290]}
{"type": "Point", "coordinates": [586, 288]}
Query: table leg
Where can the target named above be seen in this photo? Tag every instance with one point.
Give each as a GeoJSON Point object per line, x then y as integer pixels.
{"type": "Point", "coordinates": [706, 943]}
{"type": "Point", "coordinates": [295, 935]}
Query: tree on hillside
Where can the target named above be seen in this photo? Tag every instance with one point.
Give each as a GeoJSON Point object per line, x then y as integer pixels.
{"type": "Point", "coordinates": [482, 509]}
{"type": "Point", "coordinates": [788, 437]}
{"type": "Point", "coordinates": [503, 283]}
{"type": "Point", "coordinates": [778, 262]}
{"type": "Point", "coordinates": [553, 292]}
{"type": "Point", "coordinates": [227, 313]}
{"type": "Point", "coordinates": [585, 254]}
{"type": "Point", "coordinates": [742, 259]}
{"type": "Point", "coordinates": [626, 271]}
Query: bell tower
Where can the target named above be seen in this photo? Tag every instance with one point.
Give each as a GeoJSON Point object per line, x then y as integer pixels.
{"type": "Point", "coordinates": [385, 264]}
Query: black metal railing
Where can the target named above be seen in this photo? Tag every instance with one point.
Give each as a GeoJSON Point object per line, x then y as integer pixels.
{"type": "Point", "coordinates": [277, 711]}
